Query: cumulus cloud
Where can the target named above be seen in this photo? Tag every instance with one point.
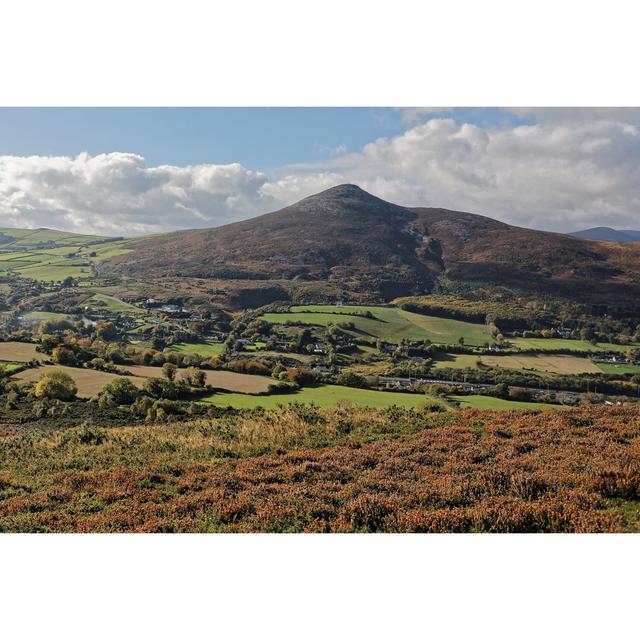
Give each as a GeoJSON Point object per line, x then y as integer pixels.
{"type": "Point", "coordinates": [116, 193]}
{"type": "Point", "coordinates": [560, 173]}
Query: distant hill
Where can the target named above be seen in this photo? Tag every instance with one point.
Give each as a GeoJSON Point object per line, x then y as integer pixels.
{"type": "Point", "coordinates": [360, 243]}
{"type": "Point", "coordinates": [26, 239]}
{"type": "Point", "coordinates": [607, 233]}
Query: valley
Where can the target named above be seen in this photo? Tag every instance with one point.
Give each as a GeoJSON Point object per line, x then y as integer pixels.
{"type": "Point", "coordinates": [406, 319]}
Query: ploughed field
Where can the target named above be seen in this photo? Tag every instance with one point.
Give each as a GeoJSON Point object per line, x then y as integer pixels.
{"type": "Point", "coordinates": [389, 323]}
{"type": "Point", "coordinates": [342, 469]}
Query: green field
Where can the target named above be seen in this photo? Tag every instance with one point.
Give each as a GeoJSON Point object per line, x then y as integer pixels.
{"type": "Point", "coordinates": [72, 255]}
{"type": "Point", "coordinates": [389, 323]}
{"type": "Point", "coordinates": [489, 402]}
{"type": "Point", "coordinates": [46, 315]}
{"type": "Point", "coordinates": [325, 395]}
{"type": "Point", "coordinates": [114, 304]}
{"type": "Point", "coordinates": [610, 367]}
{"type": "Point", "coordinates": [551, 344]}
{"type": "Point", "coordinates": [204, 349]}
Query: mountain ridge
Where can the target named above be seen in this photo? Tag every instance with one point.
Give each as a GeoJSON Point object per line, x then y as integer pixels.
{"type": "Point", "coordinates": [361, 243]}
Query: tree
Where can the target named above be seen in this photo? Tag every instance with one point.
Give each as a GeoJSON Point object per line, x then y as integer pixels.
{"type": "Point", "coordinates": [56, 385]}
{"type": "Point", "coordinates": [121, 390]}
{"type": "Point", "coordinates": [169, 370]}
{"type": "Point", "coordinates": [106, 331]}
{"type": "Point", "coordinates": [195, 377]}
{"type": "Point", "coordinates": [62, 355]}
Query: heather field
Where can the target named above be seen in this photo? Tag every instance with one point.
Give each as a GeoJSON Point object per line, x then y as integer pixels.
{"type": "Point", "coordinates": [323, 470]}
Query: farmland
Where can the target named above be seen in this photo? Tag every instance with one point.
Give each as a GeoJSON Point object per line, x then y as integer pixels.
{"type": "Point", "coordinates": [331, 470]}
{"type": "Point", "coordinates": [562, 364]}
{"type": "Point", "coordinates": [324, 396]}
{"type": "Point", "coordinates": [388, 323]}
{"type": "Point", "coordinates": [612, 367]}
{"type": "Point", "coordinates": [204, 349]}
{"type": "Point", "coordinates": [553, 344]}
{"type": "Point", "coordinates": [20, 352]}
{"type": "Point", "coordinates": [69, 254]}
{"type": "Point", "coordinates": [498, 404]}
{"type": "Point", "coordinates": [241, 382]}
{"type": "Point", "coordinates": [89, 381]}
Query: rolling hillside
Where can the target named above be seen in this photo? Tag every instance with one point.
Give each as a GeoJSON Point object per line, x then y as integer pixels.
{"type": "Point", "coordinates": [607, 233]}
{"type": "Point", "coordinates": [362, 243]}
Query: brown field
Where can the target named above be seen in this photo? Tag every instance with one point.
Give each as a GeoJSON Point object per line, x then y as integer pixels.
{"type": "Point", "coordinates": [551, 364]}
{"type": "Point", "coordinates": [341, 469]}
{"type": "Point", "coordinates": [89, 381]}
{"type": "Point", "coordinates": [20, 352]}
{"type": "Point", "coordinates": [563, 364]}
{"type": "Point", "coordinates": [222, 379]}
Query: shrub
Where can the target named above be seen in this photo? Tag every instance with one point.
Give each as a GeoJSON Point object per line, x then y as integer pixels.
{"type": "Point", "coordinates": [169, 370]}
{"type": "Point", "coordinates": [121, 391]}
{"type": "Point", "coordinates": [56, 385]}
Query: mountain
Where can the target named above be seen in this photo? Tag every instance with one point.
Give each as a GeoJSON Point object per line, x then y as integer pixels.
{"type": "Point", "coordinates": [344, 234]}
{"type": "Point", "coordinates": [360, 243]}
{"type": "Point", "coordinates": [607, 233]}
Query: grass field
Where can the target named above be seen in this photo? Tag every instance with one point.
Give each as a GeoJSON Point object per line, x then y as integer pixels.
{"type": "Point", "coordinates": [551, 344]}
{"type": "Point", "coordinates": [46, 315]}
{"type": "Point", "coordinates": [20, 352]}
{"type": "Point", "coordinates": [563, 364]}
{"type": "Point", "coordinates": [610, 367]}
{"type": "Point", "coordinates": [489, 402]}
{"type": "Point", "coordinates": [325, 395]}
{"type": "Point", "coordinates": [389, 323]}
{"type": "Point", "coordinates": [54, 263]}
{"type": "Point", "coordinates": [114, 304]}
{"type": "Point", "coordinates": [204, 349]}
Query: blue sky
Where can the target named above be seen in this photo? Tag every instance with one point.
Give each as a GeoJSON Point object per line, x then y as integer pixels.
{"type": "Point", "coordinates": [260, 138]}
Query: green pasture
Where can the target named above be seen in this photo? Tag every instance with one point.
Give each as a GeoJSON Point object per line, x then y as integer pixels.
{"type": "Point", "coordinates": [553, 344]}
{"type": "Point", "coordinates": [489, 402]}
{"type": "Point", "coordinates": [325, 395]}
{"type": "Point", "coordinates": [389, 323]}
{"type": "Point", "coordinates": [203, 349]}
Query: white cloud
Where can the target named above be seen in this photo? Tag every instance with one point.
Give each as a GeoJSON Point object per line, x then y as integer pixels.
{"type": "Point", "coordinates": [117, 193]}
{"type": "Point", "coordinates": [562, 173]}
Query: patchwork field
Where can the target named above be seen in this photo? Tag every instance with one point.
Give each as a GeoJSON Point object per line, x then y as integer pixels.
{"type": "Point", "coordinates": [19, 352]}
{"type": "Point", "coordinates": [551, 344]}
{"type": "Point", "coordinates": [326, 395]}
{"type": "Point", "coordinates": [563, 364]}
{"type": "Point", "coordinates": [389, 323]}
{"type": "Point", "coordinates": [72, 256]}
